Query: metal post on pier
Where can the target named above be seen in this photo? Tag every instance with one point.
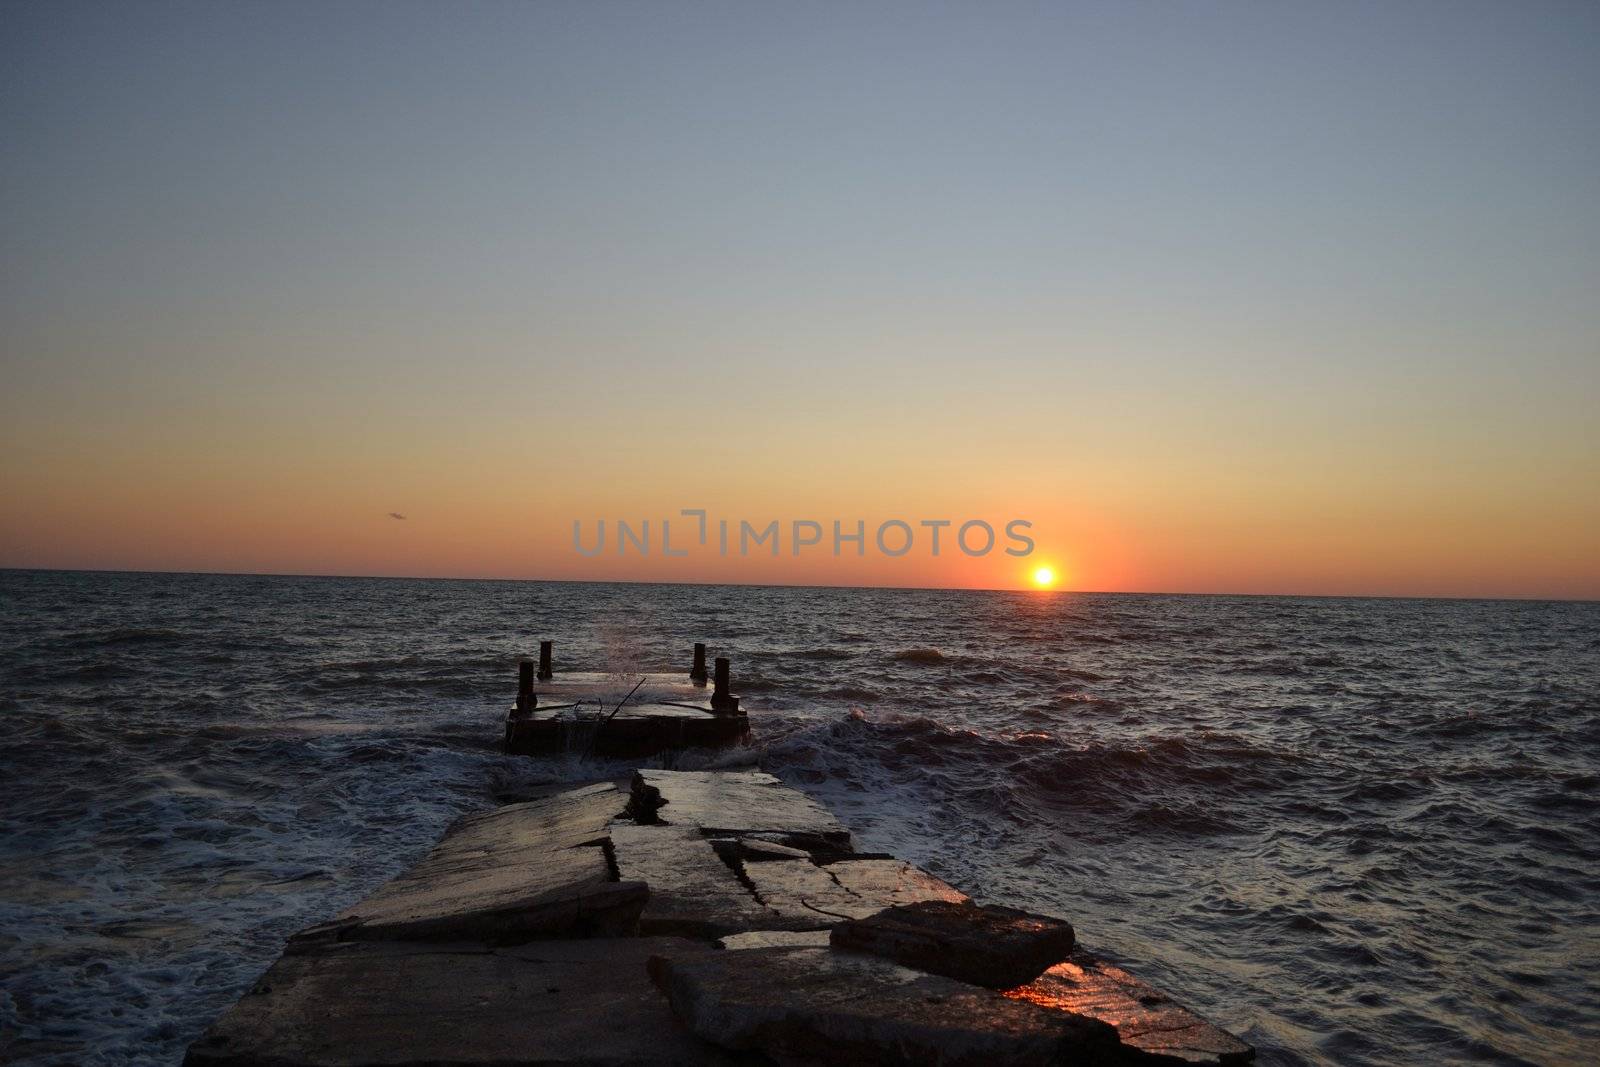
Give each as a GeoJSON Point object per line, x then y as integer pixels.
{"type": "Point", "coordinates": [527, 699]}
{"type": "Point", "coordinates": [723, 702]}
{"type": "Point", "coordinates": [697, 673]}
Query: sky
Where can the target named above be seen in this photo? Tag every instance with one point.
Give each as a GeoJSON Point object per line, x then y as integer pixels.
{"type": "Point", "coordinates": [1219, 297]}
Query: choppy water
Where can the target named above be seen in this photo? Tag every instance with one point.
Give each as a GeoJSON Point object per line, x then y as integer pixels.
{"type": "Point", "coordinates": [1354, 831]}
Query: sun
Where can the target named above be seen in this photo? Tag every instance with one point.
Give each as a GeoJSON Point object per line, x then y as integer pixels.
{"type": "Point", "coordinates": [1044, 577]}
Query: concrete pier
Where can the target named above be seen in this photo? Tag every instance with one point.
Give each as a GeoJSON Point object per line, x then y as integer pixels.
{"type": "Point", "coordinates": [687, 917]}
{"type": "Point", "coordinates": [595, 714]}
{"type": "Point", "coordinates": [693, 917]}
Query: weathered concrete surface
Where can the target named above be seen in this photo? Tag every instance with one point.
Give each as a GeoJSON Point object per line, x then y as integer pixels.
{"type": "Point", "coordinates": [734, 855]}
{"type": "Point", "coordinates": [895, 881]}
{"type": "Point", "coordinates": [636, 730]}
{"type": "Point", "coordinates": [550, 1002]}
{"type": "Point", "coordinates": [805, 896]}
{"type": "Point", "coordinates": [572, 817]}
{"type": "Point", "coordinates": [758, 850]}
{"type": "Point", "coordinates": [986, 945]}
{"type": "Point", "coordinates": [692, 891]}
{"type": "Point", "coordinates": [737, 803]}
{"type": "Point", "coordinates": [775, 939]}
{"type": "Point", "coordinates": [600, 685]}
{"type": "Point", "coordinates": [1145, 1018]}
{"type": "Point", "coordinates": [536, 869]}
{"type": "Point", "coordinates": [814, 1004]}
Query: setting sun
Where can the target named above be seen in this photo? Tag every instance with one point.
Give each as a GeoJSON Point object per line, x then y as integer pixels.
{"type": "Point", "coordinates": [1044, 577]}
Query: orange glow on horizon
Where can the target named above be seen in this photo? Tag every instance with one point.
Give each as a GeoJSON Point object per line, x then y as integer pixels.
{"type": "Point", "coordinates": [1044, 577]}
{"type": "Point", "coordinates": [114, 490]}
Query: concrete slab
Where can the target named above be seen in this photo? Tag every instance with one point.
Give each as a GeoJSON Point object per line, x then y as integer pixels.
{"type": "Point", "coordinates": [578, 816]}
{"type": "Point", "coordinates": [985, 945]}
{"type": "Point", "coordinates": [399, 1004]}
{"type": "Point", "coordinates": [775, 939]}
{"type": "Point", "coordinates": [808, 897]}
{"type": "Point", "coordinates": [631, 710]}
{"type": "Point", "coordinates": [892, 881]}
{"type": "Point", "coordinates": [536, 869]}
{"type": "Point", "coordinates": [598, 685]}
{"type": "Point", "coordinates": [814, 1004]}
{"type": "Point", "coordinates": [733, 803]}
{"type": "Point", "coordinates": [757, 850]}
{"type": "Point", "coordinates": [692, 891]}
{"type": "Point", "coordinates": [1146, 1019]}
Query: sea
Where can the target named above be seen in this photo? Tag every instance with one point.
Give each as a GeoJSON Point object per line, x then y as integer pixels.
{"type": "Point", "coordinates": [1352, 831]}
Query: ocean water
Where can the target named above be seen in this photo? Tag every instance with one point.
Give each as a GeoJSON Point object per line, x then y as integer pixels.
{"type": "Point", "coordinates": [1352, 831]}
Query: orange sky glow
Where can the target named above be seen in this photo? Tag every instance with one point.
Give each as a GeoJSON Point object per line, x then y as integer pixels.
{"type": "Point", "coordinates": [1211, 313]}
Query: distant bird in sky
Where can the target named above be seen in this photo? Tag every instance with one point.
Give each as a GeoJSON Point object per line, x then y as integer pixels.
{"type": "Point", "coordinates": [396, 515]}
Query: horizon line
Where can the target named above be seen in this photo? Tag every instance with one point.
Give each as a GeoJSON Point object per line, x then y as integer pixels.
{"type": "Point", "coordinates": [799, 585]}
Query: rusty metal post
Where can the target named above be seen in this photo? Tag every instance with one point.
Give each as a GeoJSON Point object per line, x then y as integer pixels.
{"type": "Point", "coordinates": [697, 673]}
{"type": "Point", "coordinates": [723, 702]}
{"type": "Point", "coordinates": [545, 671]}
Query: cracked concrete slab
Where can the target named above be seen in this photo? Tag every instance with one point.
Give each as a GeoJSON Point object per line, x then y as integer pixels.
{"type": "Point", "coordinates": [733, 803]}
{"type": "Point", "coordinates": [535, 869]}
{"type": "Point", "coordinates": [561, 820]}
{"type": "Point", "coordinates": [692, 891]}
{"type": "Point", "coordinates": [806, 896]}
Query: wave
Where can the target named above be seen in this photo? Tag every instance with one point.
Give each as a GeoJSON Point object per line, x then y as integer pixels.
{"type": "Point", "coordinates": [919, 655]}
{"type": "Point", "coordinates": [824, 655]}
{"type": "Point", "coordinates": [1152, 786]}
{"type": "Point", "coordinates": [128, 635]}
{"type": "Point", "coordinates": [850, 692]}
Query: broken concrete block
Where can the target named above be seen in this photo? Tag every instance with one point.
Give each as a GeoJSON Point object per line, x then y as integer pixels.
{"type": "Point", "coordinates": [1146, 1019]}
{"type": "Point", "coordinates": [547, 894]}
{"type": "Point", "coordinates": [808, 897]}
{"type": "Point", "coordinates": [737, 803]}
{"type": "Point", "coordinates": [813, 1004]}
{"type": "Point", "coordinates": [692, 891]}
{"type": "Point", "coordinates": [573, 817]}
{"type": "Point", "coordinates": [397, 1004]}
{"type": "Point", "coordinates": [536, 869]}
{"type": "Point", "coordinates": [986, 945]}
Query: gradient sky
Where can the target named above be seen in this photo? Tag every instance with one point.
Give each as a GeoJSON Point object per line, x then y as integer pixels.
{"type": "Point", "coordinates": [1243, 297]}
